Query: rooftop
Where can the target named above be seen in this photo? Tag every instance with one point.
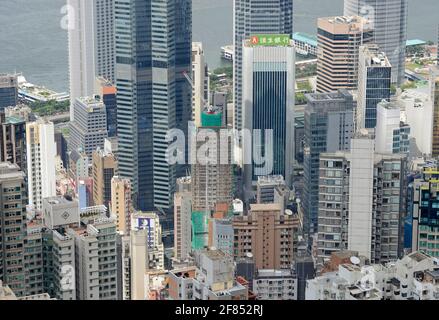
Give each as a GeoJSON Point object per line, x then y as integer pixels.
{"type": "Point", "coordinates": [415, 42]}
{"type": "Point", "coordinates": [306, 38]}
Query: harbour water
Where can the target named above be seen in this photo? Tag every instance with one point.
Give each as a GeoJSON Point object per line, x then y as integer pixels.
{"type": "Point", "coordinates": [33, 42]}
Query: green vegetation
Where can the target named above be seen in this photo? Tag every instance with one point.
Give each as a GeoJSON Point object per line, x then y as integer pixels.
{"type": "Point", "coordinates": [223, 83]}
{"type": "Point", "coordinates": [408, 85]}
{"type": "Point", "coordinates": [50, 107]}
{"type": "Point", "coordinates": [300, 98]}
{"type": "Point", "coordinates": [215, 79]}
{"type": "Point", "coordinates": [308, 70]}
{"type": "Point", "coordinates": [304, 86]}
{"type": "Point", "coordinates": [393, 89]}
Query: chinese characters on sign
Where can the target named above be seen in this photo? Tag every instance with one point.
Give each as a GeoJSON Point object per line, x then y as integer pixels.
{"type": "Point", "coordinates": [270, 40]}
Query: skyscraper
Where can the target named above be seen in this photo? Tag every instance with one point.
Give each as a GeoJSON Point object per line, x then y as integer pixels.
{"type": "Point", "coordinates": [339, 39]}
{"type": "Point", "coordinates": [362, 202]}
{"type": "Point", "coordinates": [41, 152]}
{"type": "Point", "coordinates": [388, 18]}
{"type": "Point", "coordinates": [89, 129]}
{"type": "Point", "coordinates": [13, 203]}
{"type": "Point", "coordinates": [8, 91]}
{"type": "Point", "coordinates": [107, 91]}
{"type": "Point", "coordinates": [329, 127]}
{"type": "Point", "coordinates": [91, 45]}
{"type": "Point", "coordinates": [200, 80]}
{"type": "Point", "coordinates": [153, 54]}
{"type": "Point", "coordinates": [374, 82]}
{"type": "Point", "coordinates": [267, 107]}
{"type": "Point", "coordinates": [212, 178]}
{"type": "Point", "coordinates": [252, 17]}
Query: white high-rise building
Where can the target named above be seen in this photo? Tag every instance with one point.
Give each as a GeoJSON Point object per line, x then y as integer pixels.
{"type": "Point", "coordinates": [151, 223]}
{"type": "Point", "coordinates": [139, 263]}
{"type": "Point", "coordinates": [361, 201]}
{"type": "Point", "coordinates": [200, 82]}
{"type": "Point", "coordinates": [418, 113]}
{"type": "Point", "coordinates": [255, 17]}
{"type": "Point", "coordinates": [91, 45]}
{"type": "Point", "coordinates": [267, 104]}
{"type": "Point", "coordinates": [391, 134]}
{"type": "Point", "coordinates": [41, 153]}
{"type": "Point", "coordinates": [388, 18]}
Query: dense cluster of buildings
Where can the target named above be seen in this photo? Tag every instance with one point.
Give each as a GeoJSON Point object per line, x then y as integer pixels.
{"type": "Point", "coordinates": [159, 190]}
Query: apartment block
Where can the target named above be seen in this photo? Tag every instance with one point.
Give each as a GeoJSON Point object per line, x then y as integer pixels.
{"type": "Point", "coordinates": [362, 202]}
{"type": "Point", "coordinates": [266, 233]}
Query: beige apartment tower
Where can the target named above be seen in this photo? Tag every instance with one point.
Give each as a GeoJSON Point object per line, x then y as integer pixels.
{"type": "Point", "coordinates": [339, 40]}
{"type": "Point", "coordinates": [104, 169]}
{"type": "Point", "coordinates": [121, 204]}
{"type": "Point", "coordinates": [266, 233]}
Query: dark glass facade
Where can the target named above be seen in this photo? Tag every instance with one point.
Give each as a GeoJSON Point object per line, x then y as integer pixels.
{"type": "Point", "coordinates": [269, 112]}
{"type": "Point", "coordinates": [153, 54]}
{"type": "Point", "coordinates": [377, 89]}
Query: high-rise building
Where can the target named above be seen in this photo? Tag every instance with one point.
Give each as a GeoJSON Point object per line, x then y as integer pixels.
{"type": "Point", "coordinates": [95, 261]}
{"type": "Point", "coordinates": [374, 82]}
{"type": "Point", "coordinates": [151, 222]}
{"type": "Point", "coordinates": [13, 140]}
{"type": "Point", "coordinates": [212, 175]}
{"type": "Point", "coordinates": [154, 93]}
{"type": "Point", "coordinates": [362, 202]}
{"type": "Point", "coordinates": [391, 134]}
{"type": "Point", "coordinates": [61, 147]}
{"type": "Point", "coordinates": [8, 91]}
{"type": "Point", "coordinates": [41, 153]}
{"type": "Point", "coordinates": [200, 82]}
{"type": "Point", "coordinates": [266, 233]}
{"type": "Point", "coordinates": [388, 18]}
{"type": "Point", "coordinates": [106, 90]}
{"type": "Point", "coordinates": [104, 168]}
{"type": "Point", "coordinates": [339, 39]}
{"type": "Point", "coordinates": [425, 209]}
{"type": "Point", "coordinates": [13, 203]}
{"type": "Point", "coordinates": [138, 263]}
{"type": "Point", "coordinates": [59, 276]}
{"type": "Point", "coordinates": [33, 257]}
{"type": "Point", "coordinates": [267, 107]}
{"type": "Point", "coordinates": [91, 45]}
{"type": "Point", "coordinates": [182, 219]}
{"type": "Point", "coordinates": [89, 129]}
{"type": "Point", "coordinates": [418, 110]}
{"type": "Point", "coordinates": [121, 205]}
{"type": "Point", "coordinates": [253, 17]}
{"type": "Point", "coordinates": [329, 127]}
{"type": "Point", "coordinates": [265, 188]}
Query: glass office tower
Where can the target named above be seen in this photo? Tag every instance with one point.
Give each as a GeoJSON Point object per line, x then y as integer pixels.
{"type": "Point", "coordinates": [153, 53]}
{"type": "Point", "coordinates": [389, 21]}
{"type": "Point", "coordinates": [268, 102]}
